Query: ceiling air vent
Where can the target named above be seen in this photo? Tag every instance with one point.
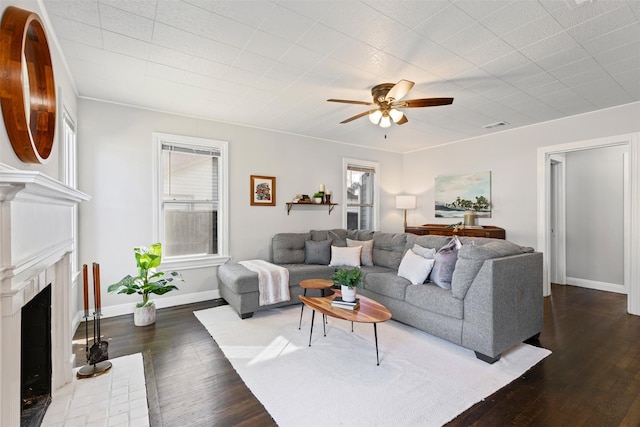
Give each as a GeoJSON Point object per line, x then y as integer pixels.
{"type": "Point", "coordinates": [495, 125]}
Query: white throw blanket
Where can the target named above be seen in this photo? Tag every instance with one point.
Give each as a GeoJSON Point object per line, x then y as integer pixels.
{"type": "Point", "coordinates": [273, 281]}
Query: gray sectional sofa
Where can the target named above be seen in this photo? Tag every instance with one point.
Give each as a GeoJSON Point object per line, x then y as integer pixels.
{"type": "Point", "coordinates": [494, 301]}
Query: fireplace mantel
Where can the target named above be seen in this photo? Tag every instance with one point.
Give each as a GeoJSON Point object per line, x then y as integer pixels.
{"type": "Point", "coordinates": [37, 227]}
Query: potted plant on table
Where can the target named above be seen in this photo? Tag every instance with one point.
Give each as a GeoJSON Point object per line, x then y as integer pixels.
{"type": "Point", "coordinates": [148, 281]}
{"type": "Point", "coordinates": [349, 280]}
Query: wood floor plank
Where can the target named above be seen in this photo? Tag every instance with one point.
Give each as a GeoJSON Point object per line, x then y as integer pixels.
{"type": "Point", "coordinates": [591, 378]}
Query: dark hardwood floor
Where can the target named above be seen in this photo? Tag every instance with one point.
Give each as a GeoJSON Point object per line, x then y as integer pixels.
{"type": "Point", "coordinates": [591, 379]}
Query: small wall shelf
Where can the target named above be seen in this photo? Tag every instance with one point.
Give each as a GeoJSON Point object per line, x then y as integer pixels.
{"type": "Point", "coordinates": [291, 204]}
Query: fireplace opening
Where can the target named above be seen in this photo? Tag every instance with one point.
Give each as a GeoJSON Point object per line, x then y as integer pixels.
{"type": "Point", "coordinates": [35, 368]}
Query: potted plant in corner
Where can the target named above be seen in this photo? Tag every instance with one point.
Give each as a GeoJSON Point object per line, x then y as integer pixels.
{"type": "Point", "coordinates": [148, 281]}
{"type": "Point", "coordinates": [349, 280]}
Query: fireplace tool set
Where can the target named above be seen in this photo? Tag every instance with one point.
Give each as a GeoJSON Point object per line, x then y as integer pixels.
{"type": "Point", "coordinates": [97, 354]}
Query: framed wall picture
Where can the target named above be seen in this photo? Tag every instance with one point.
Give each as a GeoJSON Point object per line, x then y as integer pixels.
{"type": "Point", "coordinates": [456, 194]}
{"type": "Point", "coordinates": [263, 190]}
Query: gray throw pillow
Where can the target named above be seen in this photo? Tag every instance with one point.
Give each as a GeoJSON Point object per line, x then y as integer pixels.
{"type": "Point", "coordinates": [445, 264]}
{"type": "Point", "coordinates": [317, 252]}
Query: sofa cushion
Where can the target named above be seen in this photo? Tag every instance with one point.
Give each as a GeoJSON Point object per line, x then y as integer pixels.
{"type": "Point", "coordinates": [317, 252]}
{"type": "Point", "coordinates": [338, 236]}
{"type": "Point", "coordinates": [363, 235]}
{"type": "Point", "coordinates": [429, 253]}
{"type": "Point", "coordinates": [435, 299]}
{"type": "Point", "coordinates": [366, 255]}
{"type": "Point", "coordinates": [415, 268]}
{"type": "Point", "coordinates": [348, 257]}
{"type": "Point", "coordinates": [445, 264]}
{"type": "Point", "coordinates": [300, 272]}
{"type": "Point", "coordinates": [470, 260]}
{"type": "Point", "coordinates": [388, 249]}
{"type": "Point", "coordinates": [238, 278]}
{"type": "Point", "coordinates": [427, 241]}
{"type": "Point", "coordinates": [375, 269]}
{"type": "Point", "coordinates": [388, 284]}
{"type": "Point", "coordinates": [288, 248]}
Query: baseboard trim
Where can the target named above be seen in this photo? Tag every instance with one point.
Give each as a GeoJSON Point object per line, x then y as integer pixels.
{"type": "Point", "coordinates": [164, 302]}
{"type": "Point", "coordinates": [599, 286]}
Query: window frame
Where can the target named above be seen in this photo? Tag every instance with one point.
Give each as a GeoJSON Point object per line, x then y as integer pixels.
{"type": "Point", "coordinates": [68, 171]}
{"type": "Point", "coordinates": [191, 261]}
{"type": "Point", "coordinates": [346, 162]}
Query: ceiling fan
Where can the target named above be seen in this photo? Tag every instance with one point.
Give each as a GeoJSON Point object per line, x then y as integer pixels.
{"type": "Point", "coordinates": [387, 99]}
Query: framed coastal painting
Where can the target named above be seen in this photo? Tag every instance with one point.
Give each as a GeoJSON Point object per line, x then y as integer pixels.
{"type": "Point", "coordinates": [455, 194]}
{"type": "Point", "coordinates": [263, 190]}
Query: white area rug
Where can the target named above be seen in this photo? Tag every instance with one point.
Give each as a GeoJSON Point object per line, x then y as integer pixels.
{"type": "Point", "coordinates": [421, 380]}
{"type": "Point", "coordinates": [116, 398]}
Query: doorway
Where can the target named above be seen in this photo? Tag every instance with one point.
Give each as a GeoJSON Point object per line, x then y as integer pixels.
{"type": "Point", "coordinates": [548, 219]}
{"type": "Point", "coordinates": [557, 220]}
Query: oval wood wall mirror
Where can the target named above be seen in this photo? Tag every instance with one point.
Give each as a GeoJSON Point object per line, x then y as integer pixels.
{"type": "Point", "coordinates": [28, 95]}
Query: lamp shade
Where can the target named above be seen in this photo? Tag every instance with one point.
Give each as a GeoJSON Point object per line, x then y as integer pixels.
{"type": "Point", "coordinates": [395, 115]}
{"type": "Point", "coordinates": [405, 202]}
{"type": "Point", "coordinates": [375, 117]}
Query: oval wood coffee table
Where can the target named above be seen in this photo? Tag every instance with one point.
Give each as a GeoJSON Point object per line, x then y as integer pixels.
{"type": "Point", "coordinates": [321, 284]}
{"type": "Point", "coordinates": [369, 311]}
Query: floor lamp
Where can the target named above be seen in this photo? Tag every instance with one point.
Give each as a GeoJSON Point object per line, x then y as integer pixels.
{"type": "Point", "coordinates": [405, 202]}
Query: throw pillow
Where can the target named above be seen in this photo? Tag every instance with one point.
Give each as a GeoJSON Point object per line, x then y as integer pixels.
{"type": "Point", "coordinates": [445, 263]}
{"type": "Point", "coordinates": [347, 257]}
{"type": "Point", "coordinates": [366, 256]}
{"type": "Point", "coordinates": [415, 268]}
{"type": "Point", "coordinates": [429, 253]}
{"type": "Point", "coordinates": [317, 252]}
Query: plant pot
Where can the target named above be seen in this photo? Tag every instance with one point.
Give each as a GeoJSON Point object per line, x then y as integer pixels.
{"type": "Point", "coordinates": [144, 316]}
{"type": "Point", "coordinates": [317, 200]}
{"type": "Point", "coordinates": [348, 294]}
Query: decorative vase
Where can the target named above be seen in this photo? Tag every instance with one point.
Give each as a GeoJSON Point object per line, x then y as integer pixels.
{"type": "Point", "coordinates": [348, 294]}
{"type": "Point", "coordinates": [144, 316]}
{"type": "Point", "coordinates": [470, 218]}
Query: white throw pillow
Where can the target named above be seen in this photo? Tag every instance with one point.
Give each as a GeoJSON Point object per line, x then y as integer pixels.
{"type": "Point", "coordinates": [345, 257]}
{"type": "Point", "coordinates": [429, 253]}
{"type": "Point", "coordinates": [415, 268]}
{"type": "Point", "coordinates": [366, 256]}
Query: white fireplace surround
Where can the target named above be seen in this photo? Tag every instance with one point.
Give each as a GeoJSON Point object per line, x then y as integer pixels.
{"type": "Point", "coordinates": [36, 225]}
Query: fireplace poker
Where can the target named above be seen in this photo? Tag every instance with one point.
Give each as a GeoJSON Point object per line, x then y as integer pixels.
{"type": "Point", "coordinates": [97, 355]}
{"type": "Point", "coordinates": [99, 350]}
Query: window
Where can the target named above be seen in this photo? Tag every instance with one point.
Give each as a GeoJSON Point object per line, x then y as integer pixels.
{"type": "Point", "coordinates": [361, 190]}
{"type": "Point", "coordinates": [191, 219]}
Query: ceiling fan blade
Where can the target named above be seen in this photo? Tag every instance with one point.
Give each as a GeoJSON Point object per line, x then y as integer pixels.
{"type": "Point", "coordinates": [399, 90]}
{"type": "Point", "coordinates": [357, 116]}
{"type": "Point", "coordinates": [403, 120]}
{"type": "Point", "coordinates": [346, 101]}
{"type": "Point", "coordinates": [423, 102]}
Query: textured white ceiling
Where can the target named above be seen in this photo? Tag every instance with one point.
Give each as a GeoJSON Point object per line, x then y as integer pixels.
{"type": "Point", "coordinates": [273, 64]}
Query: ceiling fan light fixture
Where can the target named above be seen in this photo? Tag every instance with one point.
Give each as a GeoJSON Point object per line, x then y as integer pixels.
{"type": "Point", "coordinates": [375, 117]}
{"type": "Point", "coordinates": [395, 115]}
{"type": "Point", "coordinates": [385, 122]}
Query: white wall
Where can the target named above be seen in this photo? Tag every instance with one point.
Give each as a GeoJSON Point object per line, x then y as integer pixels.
{"type": "Point", "coordinates": [115, 158]}
{"type": "Point", "coordinates": [511, 157]}
{"type": "Point", "coordinates": [594, 225]}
